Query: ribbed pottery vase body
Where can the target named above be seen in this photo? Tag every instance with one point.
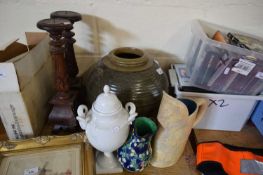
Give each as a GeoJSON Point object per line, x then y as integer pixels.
{"type": "Point", "coordinates": [132, 76]}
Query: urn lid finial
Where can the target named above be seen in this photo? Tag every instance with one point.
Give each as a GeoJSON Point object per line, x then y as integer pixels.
{"type": "Point", "coordinates": [106, 89]}
{"type": "Point", "coordinates": [107, 102]}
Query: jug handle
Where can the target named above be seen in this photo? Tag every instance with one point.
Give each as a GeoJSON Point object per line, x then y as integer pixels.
{"type": "Point", "coordinates": [202, 105]}
{"type": "Point", "coordinates": [131, 108]}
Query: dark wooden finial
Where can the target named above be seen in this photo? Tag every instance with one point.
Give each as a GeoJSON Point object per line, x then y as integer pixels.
{"type": "Point", "coordinates": [69, 15]}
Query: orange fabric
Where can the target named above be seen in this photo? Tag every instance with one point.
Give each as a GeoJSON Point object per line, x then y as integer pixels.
{"type": "Point", "coordinates": [230, 160]}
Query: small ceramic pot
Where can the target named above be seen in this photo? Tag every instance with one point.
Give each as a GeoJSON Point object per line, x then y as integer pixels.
{"type": "Point", "coordinates": [136, 153]}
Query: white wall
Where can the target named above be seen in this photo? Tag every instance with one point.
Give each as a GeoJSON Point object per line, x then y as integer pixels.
{"type": "Point", "coordinates": [147, 24]}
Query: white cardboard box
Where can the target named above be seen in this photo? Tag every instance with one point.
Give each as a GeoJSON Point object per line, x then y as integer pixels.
{"type": "Point", "coordinates": [225, 112]}
{"type": "Point", "coordinates": [26, 85]}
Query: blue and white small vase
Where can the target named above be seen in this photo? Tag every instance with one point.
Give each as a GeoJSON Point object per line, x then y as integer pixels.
{"type": "Point", "coordinates": [136, 153]}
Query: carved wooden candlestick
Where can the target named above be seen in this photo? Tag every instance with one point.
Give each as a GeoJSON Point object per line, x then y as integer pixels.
{"type": "Point", "coordinates": [71, 62]}
{"type": "Point", "coordinates": [62, 114]}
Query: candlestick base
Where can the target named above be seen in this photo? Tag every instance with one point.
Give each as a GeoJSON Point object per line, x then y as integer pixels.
{"type": "Point", "coordinates": [63, 112]}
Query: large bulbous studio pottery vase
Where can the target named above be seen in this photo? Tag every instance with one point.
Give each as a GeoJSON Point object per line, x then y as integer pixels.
{"type": "Point", "coordinates": [136, 153]}
{"type": "Point", "coordinates": [132, 76]}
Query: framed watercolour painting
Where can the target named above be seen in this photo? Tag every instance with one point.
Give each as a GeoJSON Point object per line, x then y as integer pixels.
{"type": "Point", "coordinates": [47, 155]}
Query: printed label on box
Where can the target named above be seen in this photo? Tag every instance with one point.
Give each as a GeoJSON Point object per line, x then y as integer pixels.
{"type": "Point", "coordinates": [31, 171]}
{"type": "Point", "coordinates": [243, 67]}
{"type": "Point", "coordinates": [259, 75]}
{"type": "Point", "coordinates": [226, 70]}
{"type": "Point", "coordinates": [15, 125]}
{"type": "Point", "coordinates": [2, 75]}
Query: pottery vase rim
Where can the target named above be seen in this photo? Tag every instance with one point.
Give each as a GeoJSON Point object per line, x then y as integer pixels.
{"type": "Point", "coordinates": [128, 59]}
{"type": "Point", "coordinates": [183, 105]}
{"type": "Point", "coordinates": [147, 121]}
{"type": "Point", "coordinates": [190, 111]}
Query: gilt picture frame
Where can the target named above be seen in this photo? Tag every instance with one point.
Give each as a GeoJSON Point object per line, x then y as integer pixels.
{"type": "Point", "coordinates": [47, 155]}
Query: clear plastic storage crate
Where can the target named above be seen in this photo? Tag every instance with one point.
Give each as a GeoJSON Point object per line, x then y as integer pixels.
{"type": "Point", "coordinates": [221, 67]}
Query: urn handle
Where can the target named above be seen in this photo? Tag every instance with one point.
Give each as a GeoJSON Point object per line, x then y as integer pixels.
{"type": "Point", "coordinates": [84, 116]}
{"type": "Point", "coordinates": [130, 107]}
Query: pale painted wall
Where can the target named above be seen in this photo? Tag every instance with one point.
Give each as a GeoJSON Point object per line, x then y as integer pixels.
{"type": "Point", "coordinates": [149, 24]}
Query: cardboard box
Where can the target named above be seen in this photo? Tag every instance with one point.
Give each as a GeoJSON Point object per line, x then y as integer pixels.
{"type": "Point", "coordinates": [257, 117]}
{"type": "Point", "coordinates": [26, 86]}
{"type": "Point", "coordinates": [225, 112]}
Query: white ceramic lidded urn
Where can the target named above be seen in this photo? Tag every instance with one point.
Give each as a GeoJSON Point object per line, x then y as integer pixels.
{"type": "Point", "coordinates": [107, 127]}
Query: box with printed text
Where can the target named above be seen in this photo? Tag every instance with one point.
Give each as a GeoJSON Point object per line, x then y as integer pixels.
{"type": "Point", "coordinates": [26, 86]}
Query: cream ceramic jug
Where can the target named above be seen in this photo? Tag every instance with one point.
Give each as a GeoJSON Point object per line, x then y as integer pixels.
{"type": "Point", "coordinates": [106, 124]}
{"type": "Point", "coordinates": [176, 117]}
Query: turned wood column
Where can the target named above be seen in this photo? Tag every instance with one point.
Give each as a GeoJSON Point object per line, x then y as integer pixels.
{"type": "Point", "coordinates": [71, 62]}
{"type": "Point", "coordinates": [62, 113]}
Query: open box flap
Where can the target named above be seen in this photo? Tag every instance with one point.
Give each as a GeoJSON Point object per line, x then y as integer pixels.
{"type": "Point", "coordinates": [33, 38]}
{"type": "Point", "coordinates": [8, 43]}
{"type": "Point", "coordinates": [14, 48]}
{"type": "Point", "coordinates": [17, 72]}
{"type": "Point", "coordinates": [34, 61]}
